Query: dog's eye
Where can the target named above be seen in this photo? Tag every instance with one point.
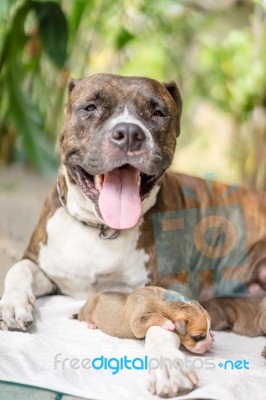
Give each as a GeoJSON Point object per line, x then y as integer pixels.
{"type": "Point", "coordinates": [90, 107]}
{"type": "Point", "coordinates": [198, 338]}
{"type": "Point", "coordinates": [158, 113]}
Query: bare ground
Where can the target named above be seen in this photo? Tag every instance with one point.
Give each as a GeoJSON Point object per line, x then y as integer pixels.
{"type": "Point", "coordinates": [22, 193]}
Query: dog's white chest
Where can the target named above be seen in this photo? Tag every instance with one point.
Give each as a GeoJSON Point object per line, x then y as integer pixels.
{"type": "Point", "coordinates": [79, 262]}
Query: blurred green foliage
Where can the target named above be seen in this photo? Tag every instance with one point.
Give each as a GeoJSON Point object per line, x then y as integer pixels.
{"type": "Point", "coordinates": [215, 56]}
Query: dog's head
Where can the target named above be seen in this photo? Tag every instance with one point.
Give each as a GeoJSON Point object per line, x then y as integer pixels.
{"type": "Point", "coordinates": [192, 323]}
{"type": "Point", "coordinates": [118, 139]}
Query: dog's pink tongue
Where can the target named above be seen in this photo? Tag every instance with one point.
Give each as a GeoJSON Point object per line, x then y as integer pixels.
{"type": "Point", "coordinates": [119, 199]}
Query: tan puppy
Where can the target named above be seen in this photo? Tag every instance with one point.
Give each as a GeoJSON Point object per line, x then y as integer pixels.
{"type": "Point", "coordinates": [232, 315]}
{"type": "Point", "coordinates": [130, 316]}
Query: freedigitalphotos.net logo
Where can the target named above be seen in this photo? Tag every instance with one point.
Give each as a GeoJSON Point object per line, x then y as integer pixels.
{"type": "Point", "coordinates": [116, 365]}
{"type": "Point", "coordinates": [210, 236]}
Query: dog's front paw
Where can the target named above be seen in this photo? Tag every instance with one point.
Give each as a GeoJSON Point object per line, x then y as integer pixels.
{"type": "Point", "coordinates": [16, 310]}
{"type": "Point", "coordinates": [171, 379]}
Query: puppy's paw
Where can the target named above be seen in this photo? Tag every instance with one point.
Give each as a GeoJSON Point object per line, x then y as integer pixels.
{"type": "Point", "coordinates": [171, 380]}
{"type": "Point", "coordinates": [168, 325]}
{"type": "Point", "coordinates": [91, 325]}
{"type": "Point", "coordinates": [16, 310]}
{"type": "Point", "coordinates": [258, 286]}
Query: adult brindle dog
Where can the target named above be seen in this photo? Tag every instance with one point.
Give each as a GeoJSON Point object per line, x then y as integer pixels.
{"type": "Point", "coordinates": [95, 232]}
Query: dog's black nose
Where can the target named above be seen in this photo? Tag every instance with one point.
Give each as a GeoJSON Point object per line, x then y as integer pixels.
{"type": "Point", "coordinates": [128, 137]}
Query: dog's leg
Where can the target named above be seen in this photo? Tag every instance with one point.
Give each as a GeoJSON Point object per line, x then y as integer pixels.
{"type": "Point", "coordinates": [140, 325]}
{"type": "Point", "coordinates": [169, 374]}
{"type": "Point", "coordinates": [86, 311]}
{"type": "Point", "coordinates": [23, 281]}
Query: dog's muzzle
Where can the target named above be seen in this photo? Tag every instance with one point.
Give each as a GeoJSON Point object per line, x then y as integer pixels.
{"type": "Point", "coordinates": [119, 189]}
{"type": "Point", "coordinates": [129, 137]}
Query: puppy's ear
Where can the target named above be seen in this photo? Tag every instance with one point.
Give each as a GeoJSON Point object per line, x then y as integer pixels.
{"type": "Point", "coordinates": [181, 327]}
{"type": "Point", "coordinates": [174, 92]}
{"type": "Point", "coordinates": [221, 319]}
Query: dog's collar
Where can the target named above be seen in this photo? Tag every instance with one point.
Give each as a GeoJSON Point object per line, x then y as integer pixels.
{"type": "Point", "coordinates": [104, 231]}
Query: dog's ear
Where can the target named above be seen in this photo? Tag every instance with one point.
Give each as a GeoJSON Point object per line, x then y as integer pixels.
{"type": "Point", "coordinates": [181, 327]}
{"type": "Point", "coordinates": [71, 84]}
{"type": "Point", "coordinates": [174, 92]}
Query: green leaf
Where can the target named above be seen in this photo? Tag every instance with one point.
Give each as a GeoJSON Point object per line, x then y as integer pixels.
{"type": "Point", "coordinates": [78, 9]}
{"type": "Point", "coordinates": [21, 111]}
{"type": "Point", "coordinates": [14, 36]}
{"type": "Point", "coordinates": [30, 126]}
{"type": "Point", "coordinates": [75, 16]}
{"type": "Point", "coordinates": [123, 37]}
{"type": "Point", "coordinates": [53, 31]}
{"type": "Point", "coordinates": [5, 6]}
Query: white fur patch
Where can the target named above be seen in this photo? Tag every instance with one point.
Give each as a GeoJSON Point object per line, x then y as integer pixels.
{"type": "Point", "coordinates": [79, 262]}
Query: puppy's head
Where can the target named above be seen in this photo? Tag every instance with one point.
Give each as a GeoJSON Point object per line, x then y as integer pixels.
{"type": "Point", "coordinates": [118, 139]}
{"type": "Point", "coordinates": [193, 327]}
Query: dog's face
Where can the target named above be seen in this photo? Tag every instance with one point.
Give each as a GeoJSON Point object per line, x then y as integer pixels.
{"type": "Point", "coordinates": [118, 139]}
{"type": "Point", "coordinates": [193, 328]}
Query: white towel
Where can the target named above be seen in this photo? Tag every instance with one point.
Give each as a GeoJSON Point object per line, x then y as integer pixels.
{"type": "Point", "coordinates": [29, 358]}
